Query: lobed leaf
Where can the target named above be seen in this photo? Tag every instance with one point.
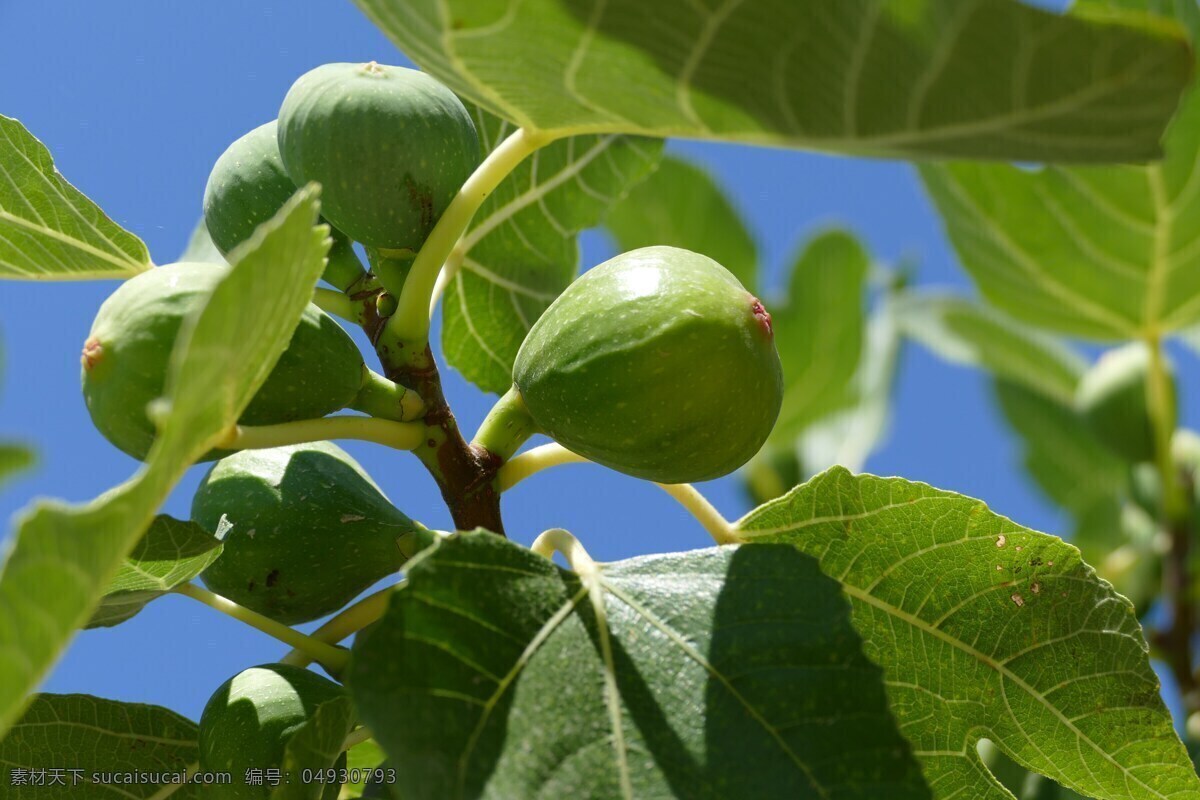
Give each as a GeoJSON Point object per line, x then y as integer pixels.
{"type": "Point", "coordinates": [63, 556]}
{"type": "Point", "coordinates": [1107, 253]}
{"type": "Point", "coordinates": [730, 672]}
{"type": "Point", "coordinates": [171, 553]}
{"type": "Point", "coordinates": [48, 229]}
{"type": "Point", "coordinates": [986, 629]}
{"type": "Point", "coordinates": [681, 205]}
{"type": "Point", "coordinates": [990, 79]}
{"type": "Point", "coordinates": [69, 738]}
{"type": "Point", "coordinates": [522, 250]}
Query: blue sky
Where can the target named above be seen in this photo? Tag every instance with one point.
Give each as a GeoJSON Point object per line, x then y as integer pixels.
{"type": "Point", "coordinates": [136, 101]}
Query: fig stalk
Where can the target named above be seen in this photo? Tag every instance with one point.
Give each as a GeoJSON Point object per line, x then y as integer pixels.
{"type": "Point", "coordinates": [387, 399]}
{"type": "Point", "coordinates": [397, 435]}
{"type": "Point", "coordinates": [411, 320]}
{"type": "Point", "coordinates": [334, 659]}
{"type": "Point", "coordinates": [507, 427]}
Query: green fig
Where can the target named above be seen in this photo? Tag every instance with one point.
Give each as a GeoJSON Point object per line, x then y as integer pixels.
{"type": "Point", "coordinates": [390, 146]}
{"type": "Point", "coordinates": [126, 358]}
{"type": "Point", "coordinates": [1112, 399]}
{"type": "Point", "coordinates": [247, 723]}
{"type": "Point", "coordinates": [247, 186]}
{"type": "Point", "coordinates": [310, 530]}
{"type": "Point", "coordinates": [657, 363]}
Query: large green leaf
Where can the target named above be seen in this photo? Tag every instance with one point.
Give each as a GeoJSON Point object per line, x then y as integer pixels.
{"type": "Point", "coordinates": [986, 629]}
{"type": "Point", "coordinates": [1107, 253]}
{"type": "Point", "coordinates": [522, 248]}
{"type": "Point", "coordinates": [681, 205]}
{"type": "Point", "coordinates": [171, 553]}
{"type": "Point", "coordinates": [66, 739]}
{"type": "Point", "coordinates": [64, 556]}
{"type": "Point", "coordinates": [968, 333]}
{"type": "Point", "coordinates": [908, 78]}
{"type": "Point", "coordinates": [730, 672]}
{"type": "Point", "coordinates": [819, 331]}
{"type": "Point", "coordinates": [1091, 484]}
{"type": "Point", "coordinates": [48, 229]}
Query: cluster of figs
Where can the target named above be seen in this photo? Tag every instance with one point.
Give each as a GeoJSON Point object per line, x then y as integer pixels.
{"type": "Point", "coordinates": [657, 363]}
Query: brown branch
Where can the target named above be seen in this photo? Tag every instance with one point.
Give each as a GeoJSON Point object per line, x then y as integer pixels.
{"type": "Point", "coordinates": [465, 474]}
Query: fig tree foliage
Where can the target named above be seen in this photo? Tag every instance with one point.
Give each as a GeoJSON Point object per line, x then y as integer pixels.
{"type": "Point", "coordinates": [850, 637]}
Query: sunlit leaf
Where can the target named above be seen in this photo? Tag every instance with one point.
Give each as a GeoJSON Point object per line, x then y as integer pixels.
{"type": "Point", "coordinates": [908, 78]}
{"type": "Point", "coordinates": [48, 229]}
{"type": "Point", "coordinates": [171, 553]}
{"type": "Point", "coordinates": [986, 629]}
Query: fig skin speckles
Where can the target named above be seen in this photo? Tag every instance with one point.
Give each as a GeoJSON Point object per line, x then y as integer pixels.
{"type": "Point", "coordinates": [657, 363]}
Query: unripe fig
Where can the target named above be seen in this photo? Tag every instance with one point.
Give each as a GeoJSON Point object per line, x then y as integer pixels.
{"type": "Point", "coordinates": [248, 721]}
{"type": "Point", "coordinates": [1112, 399]}
{"type": "Point", "coordinates": [248, 185]}
{"type": "Point", "coordinates": [310, 530]}
{"type": "Point", "coordinates": [390, 147]}
{"type": "Point", "coordinates": [657, 363]}
{"type": "Point", "coordinates": [127, 354]}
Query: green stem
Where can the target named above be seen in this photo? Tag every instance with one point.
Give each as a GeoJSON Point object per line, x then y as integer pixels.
{"type": "Point", "coordinates": [343, 269]}
{"type": "Point", "coordinates": [345, 624]}
{"type": "Point", "coordinates": [336, 303]}
{"type": "Point", "coordinates": [410, 324]}
{"type": "Point", "coordinates": [450, 268]}
{"type": "Point", "coordinates": [386, 399]}
{"type": "Point", "coordinates": [398, 435]}
{"type": "Point", "coordinates": [557, 540]}
{"type": "Point", "coordinates": [507, 426]}
{"type": "Point", "coordinates": [531, 462]}
{"type": "Point", "coordinates": [688, 496]}
{"type": "Point", "coordinates": [554, 454]}
{"type": "Point", "coordinates": [333, 659]}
